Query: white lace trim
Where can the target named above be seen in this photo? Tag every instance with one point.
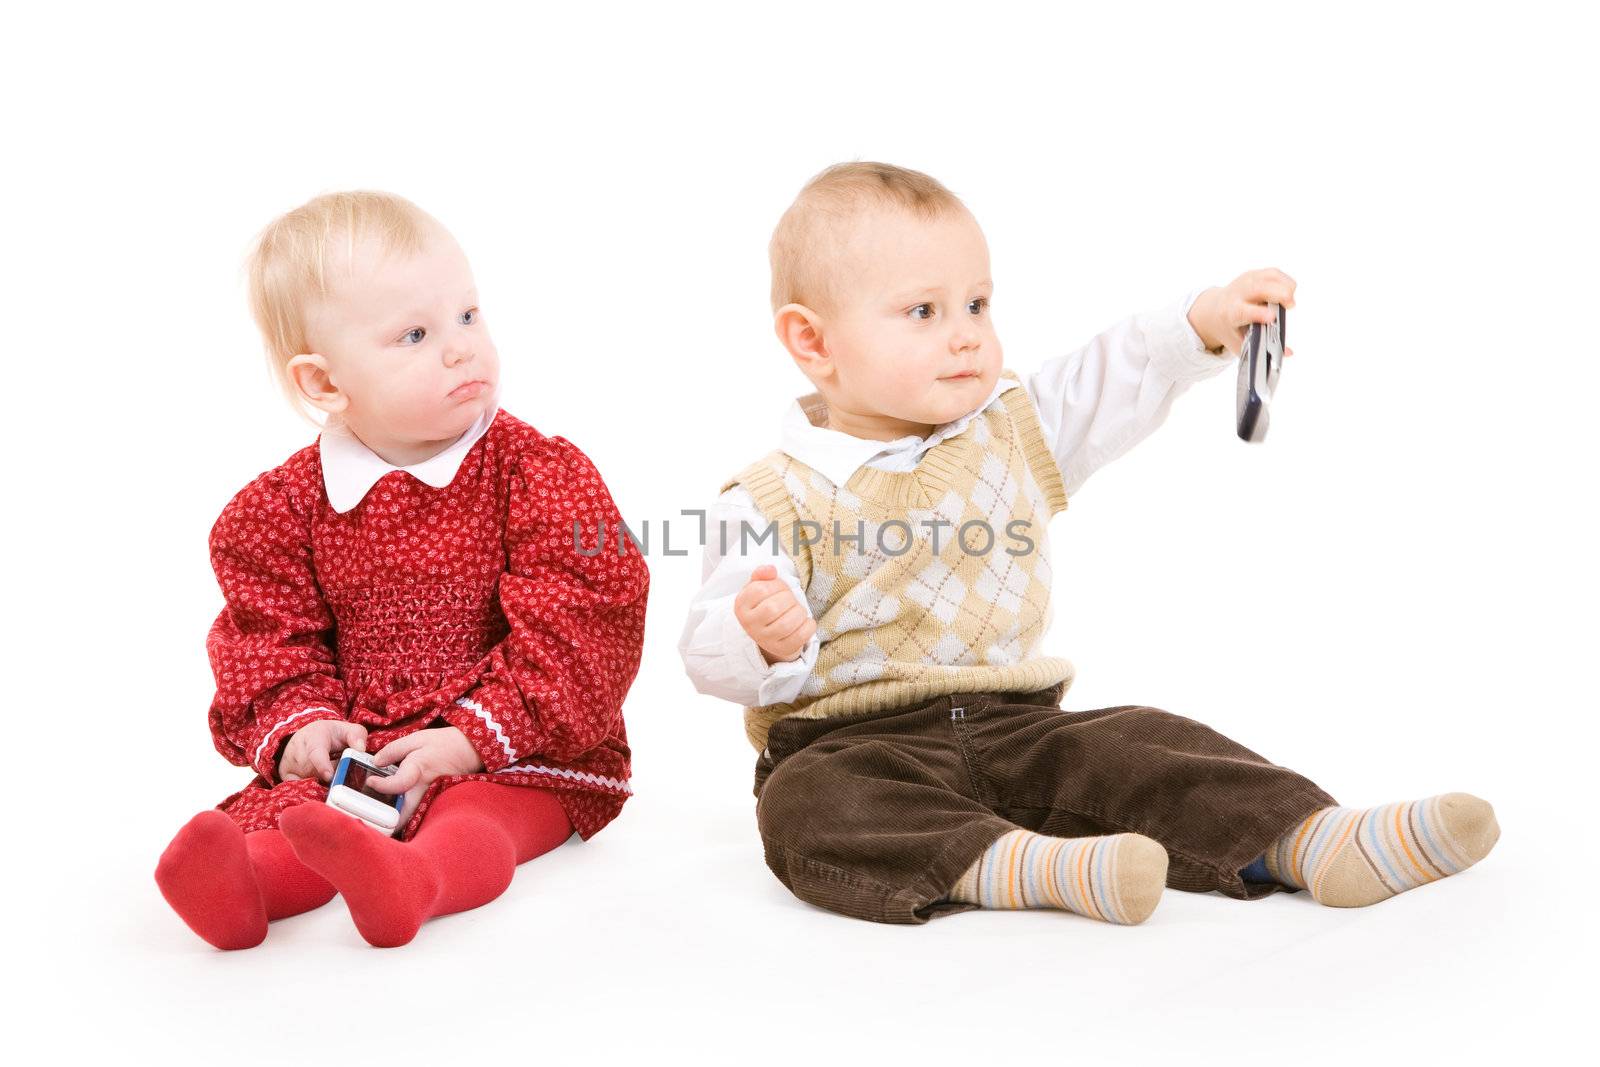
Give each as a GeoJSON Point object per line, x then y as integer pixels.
{"type": "Point", "coordinates": [618, 784]}
{"type": "Point", "coordinates": [488, 720]}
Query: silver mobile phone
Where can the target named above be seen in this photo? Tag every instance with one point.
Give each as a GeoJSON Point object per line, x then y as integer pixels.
{"type": "Point", "coordinates": [1260, 360]}
{"type": "Point", "coordinates": [349, 792]}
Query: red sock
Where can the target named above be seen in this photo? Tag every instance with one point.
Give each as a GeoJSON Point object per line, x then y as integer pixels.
{"type": "Point", "coordinates": [288, 887]}
{"type": "Point", "coordinates": [462, 856]}
{"type": "Point", "coordinates": [225, 884]}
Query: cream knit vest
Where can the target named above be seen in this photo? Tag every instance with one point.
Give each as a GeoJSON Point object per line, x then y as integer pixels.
{"type": "Point", "coordinates": [898, 621]}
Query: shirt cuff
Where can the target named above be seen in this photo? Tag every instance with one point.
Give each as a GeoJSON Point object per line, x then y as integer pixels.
{"type": "Point", "coordinates": [1175, 349]}
{"type": "Point", "coordinates": [772, 683]}
{"type": "Point", "coordinates": [786, 678]}
{"type": "Point", "coordinates": [747, 663]}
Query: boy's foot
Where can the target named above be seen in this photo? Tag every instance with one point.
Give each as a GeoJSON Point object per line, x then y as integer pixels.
{"type": "Point", "coordinates": [1117, 879]}
{"type": "Point", "coordinates": [1352, 857]}
{"type": "Point", "coordinates": [206, 876]}
{"type": "Point", "coordinates": [389, 889]}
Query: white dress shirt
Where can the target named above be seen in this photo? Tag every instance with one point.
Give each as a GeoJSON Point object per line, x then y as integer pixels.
{"type": "Point", "coordinates": [350, 468]}
{"type": "Point", "coordinates": [1094, 404]}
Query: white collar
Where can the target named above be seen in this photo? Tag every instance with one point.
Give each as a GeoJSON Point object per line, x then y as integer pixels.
{"type": "Point", "coordinates": [837, 455]}
{"type": "Point", "coordinates": [350, 468]}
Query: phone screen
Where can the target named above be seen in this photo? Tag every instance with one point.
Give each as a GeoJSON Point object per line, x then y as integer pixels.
{"type": "Point", "coordinates": [356, 776]}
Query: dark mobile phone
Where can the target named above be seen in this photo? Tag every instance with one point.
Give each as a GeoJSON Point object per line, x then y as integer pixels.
{"type": "Point", "coordinates": [1260, 360]}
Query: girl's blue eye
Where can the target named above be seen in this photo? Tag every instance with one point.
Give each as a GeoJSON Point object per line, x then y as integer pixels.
{"type": "Point", "coordinates": [414, 335]}
{"type": "Point", "coordinates": [921, 307]}
{"type": "Point", "coordinates": [468, 317]}
{"type": "Point", "coordinates": [977, 306]}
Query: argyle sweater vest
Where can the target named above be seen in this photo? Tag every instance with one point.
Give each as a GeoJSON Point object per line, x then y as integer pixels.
{"type": "Point", "coordinates": [925, 582]}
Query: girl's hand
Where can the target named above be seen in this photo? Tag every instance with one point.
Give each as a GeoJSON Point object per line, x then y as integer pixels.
{"type": "Point", "coordinates": [420, 758]}
{"type": "Point", "coordinates": [1221, 316]}
{"type": "Point", "coordinates": [311, 749]}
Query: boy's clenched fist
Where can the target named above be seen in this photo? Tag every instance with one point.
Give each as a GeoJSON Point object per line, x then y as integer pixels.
{"type": "Point", "coordinates": [772, 616]}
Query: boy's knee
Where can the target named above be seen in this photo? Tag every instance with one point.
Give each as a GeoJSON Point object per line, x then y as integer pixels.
{"type": "Point", "coordinates": [816, 777]}
{"type": "Point", "coordinates": [787, 797]}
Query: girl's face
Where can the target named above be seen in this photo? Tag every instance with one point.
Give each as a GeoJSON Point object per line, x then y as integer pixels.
{"type": "Point", "coordinates": [408, 357]}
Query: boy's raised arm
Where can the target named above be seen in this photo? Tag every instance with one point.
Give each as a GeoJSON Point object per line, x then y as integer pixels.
{"type": "Point", "coordinates": [1098, 402]}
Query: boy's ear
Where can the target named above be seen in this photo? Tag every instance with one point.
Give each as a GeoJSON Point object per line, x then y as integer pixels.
{"type": "Point", "coordinates": [314, 380]}
{"type": "Point", "coordinates": [800, 330]}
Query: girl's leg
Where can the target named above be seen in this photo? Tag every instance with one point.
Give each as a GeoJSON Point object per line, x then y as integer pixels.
{"type": "Point", "coordinates": [227, 884]}
{"type": "Point", "coordinates": [462, 856]}
{"type": "Point", "coordinates": [288, 887]}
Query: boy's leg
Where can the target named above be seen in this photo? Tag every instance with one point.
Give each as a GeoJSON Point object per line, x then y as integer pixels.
{"type": "Point", "coordinates": [1214, 805]}
{"type": "Point", "coordinates": [875, 828]}
{"type": "Point", "coordinates": [461, 857]}
{"type": "Point", "coordinates": [1116, 878]}
{"type": "Point", "coordinates": [1352, 857]}
{"type": "Point", "coordinates": [227, 884]}
{"type": "Point", "coordinates": [877, 817]}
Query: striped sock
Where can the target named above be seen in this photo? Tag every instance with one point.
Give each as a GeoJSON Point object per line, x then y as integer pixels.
{"type": "Point", "coordinates": [1352, 857]}
{"type": "Point", "coordinates": [1117, 879]}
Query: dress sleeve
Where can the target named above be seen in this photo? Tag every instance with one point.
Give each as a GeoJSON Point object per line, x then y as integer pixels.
{"type": "Point", "coordinates": [271, 648]}
{"type": "Point", "coordinates": [574, 603]}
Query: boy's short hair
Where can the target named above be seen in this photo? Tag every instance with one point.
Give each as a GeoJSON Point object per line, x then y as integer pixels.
{"type": "Point", "coordinates": [289, 263]}
{"type": "Point", "coordinates": [810, 234]}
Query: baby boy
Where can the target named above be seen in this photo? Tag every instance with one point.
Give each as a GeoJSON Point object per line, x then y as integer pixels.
{"type": "Point", "coordinates": [876, 590]}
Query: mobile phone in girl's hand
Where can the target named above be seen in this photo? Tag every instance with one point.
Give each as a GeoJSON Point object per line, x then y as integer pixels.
{"type": "Point", "coordinates": [348, 792]}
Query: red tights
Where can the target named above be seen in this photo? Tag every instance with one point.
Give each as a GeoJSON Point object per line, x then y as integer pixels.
{"type": "Point", "coordinates": [227, 884]}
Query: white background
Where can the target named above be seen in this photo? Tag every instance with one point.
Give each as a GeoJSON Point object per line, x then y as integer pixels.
{"type": "Point", "coordinates": [1393, 594]}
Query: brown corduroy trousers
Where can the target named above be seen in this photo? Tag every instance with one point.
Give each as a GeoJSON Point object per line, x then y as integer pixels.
{"type": "Point", "coordinates": [876, 816]}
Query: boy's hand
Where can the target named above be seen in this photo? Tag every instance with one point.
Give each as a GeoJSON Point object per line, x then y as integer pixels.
{"type": "Point", "coordinates": [420, 758]}
{"type": "Point", "coordinates": [311, 749]}
{"type": "Point", "coordinates": [770, 614]}
{"type": "Point", "coordinates": [1221, 316]}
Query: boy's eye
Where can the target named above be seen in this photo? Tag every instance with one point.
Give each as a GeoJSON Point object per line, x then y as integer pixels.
{"type": "Point", "coordinates": [468, 317]}
{"type": "Point", "coordinates": [413, 336]}
{"type": "Point", "coordinates": [977, 306]}
{"type": "Point", "coordinates": [922, 312]}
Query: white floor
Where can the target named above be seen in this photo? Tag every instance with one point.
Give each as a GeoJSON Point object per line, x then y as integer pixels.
{"type": "Point", "coordinates": [666, 938]}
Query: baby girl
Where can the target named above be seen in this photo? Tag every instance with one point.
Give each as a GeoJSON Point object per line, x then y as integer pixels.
{"type": "Point", "coordinates": [412, 584]}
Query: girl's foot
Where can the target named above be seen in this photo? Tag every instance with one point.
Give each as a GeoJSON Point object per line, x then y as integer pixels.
{"type": "Point", "coordinates": [206, 876]}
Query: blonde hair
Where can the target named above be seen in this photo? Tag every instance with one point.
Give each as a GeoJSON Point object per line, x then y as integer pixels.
{"type": "Point", "coordinates": [290, 264]}
{"type": "Point", "coordinates": [810, 235]}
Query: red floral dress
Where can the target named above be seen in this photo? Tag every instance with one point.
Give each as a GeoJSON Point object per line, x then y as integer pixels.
{"type": "Point", "coordinates": [483, 605]}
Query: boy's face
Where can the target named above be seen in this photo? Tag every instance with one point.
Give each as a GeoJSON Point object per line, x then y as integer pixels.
{"type": "Point", "coordinates": [406, 347]}
{"type": "Point", "coordinates": [910, 337]}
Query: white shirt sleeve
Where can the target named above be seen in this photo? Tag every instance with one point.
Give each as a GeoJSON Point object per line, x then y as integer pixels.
{"type": "Point", "coordinates": [1098, 402]}
{"type": "Point", "coordinates": [722, 660]}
